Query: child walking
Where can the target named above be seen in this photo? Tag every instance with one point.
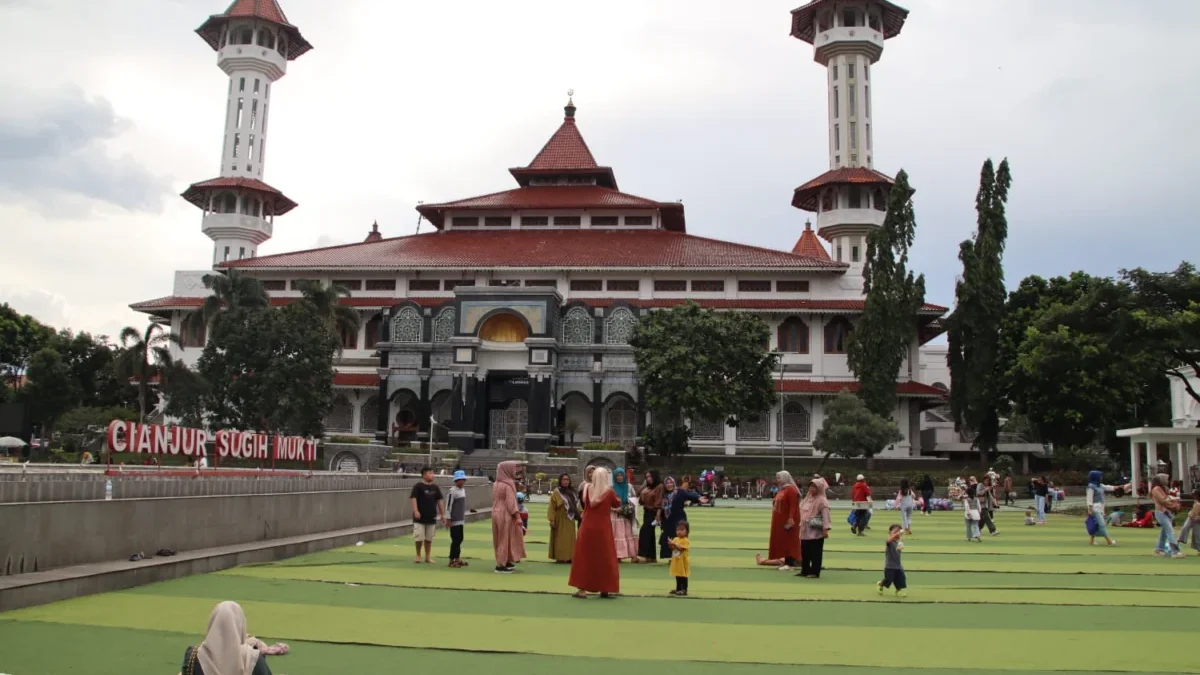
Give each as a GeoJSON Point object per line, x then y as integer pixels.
{"type": "Point", "coordinates": [524, 513]}
{"type": "Point", "coordinates": [456, 517]}
{"type": "Point", "coordinates": [893, 571]}
{"type": "Point", "coordinates": [1192, 524]}
{"type": "Point", "coordinates": [681, 566]}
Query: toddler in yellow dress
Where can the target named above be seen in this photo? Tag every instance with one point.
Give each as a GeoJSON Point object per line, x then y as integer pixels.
{"type": "Point", "coordinates": [681, 566]}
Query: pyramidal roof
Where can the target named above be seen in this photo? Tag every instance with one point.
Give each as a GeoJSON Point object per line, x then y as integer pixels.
{"type": "Point", "coordinates": [264, 10]}
{"type": "Point", "coordinates": [567, 155]}
{"type": "Point", "coordinates": [809, 245]}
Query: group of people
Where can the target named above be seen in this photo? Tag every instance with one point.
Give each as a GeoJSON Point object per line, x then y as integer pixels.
{"type": "Point", "coordinates": [799, 526]}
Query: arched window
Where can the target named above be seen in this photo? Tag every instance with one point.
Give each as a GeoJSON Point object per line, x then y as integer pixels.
{"type": "Point", "coordinates": [504, 327]}
{"type": "Point", "coordinates": [443, 325]}
{"type": "Point", "coordinates": [837, 335]}
{"type": "Point", "coordinates": [793, 336]}
{"type": "Point", "coordinates": [407, 325]}
{"type": "Point", "coordinates": [622, 423]}
{"type": "Point", "coordinates": [578, 327]}
{"type": "Point", "coordinates": [341, 415]}
{"type": "Point", "coordinates": [880, 200]}
{"type": "Point", "coordinates": [827, 200]}
{"type": "Point", "coordinates": [193, 330]}
{"type": "Point", "coordinates": [794, 422]}
{"type": "Point", "coordinates": [266, 38]}
{"type": "Point", "coordinates": [283, 46]}
{"type": "Point", "coordinates": [372, 332]}
{"type": "Point", "coordinates": [348, 335]}
{"type": "Point", "coordinates": [618, 327]}
{"type": "Point", "coordinates": [369, 417]}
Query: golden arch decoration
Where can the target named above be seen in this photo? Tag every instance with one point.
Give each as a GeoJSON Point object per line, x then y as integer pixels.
{"type": "Point", "coordinates": [504, 328]}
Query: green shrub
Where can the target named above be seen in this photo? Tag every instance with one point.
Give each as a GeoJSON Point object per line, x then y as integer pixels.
{"type": "Point", "coordinates": [596, 445]}
{"type": "Point", "coordinates": [352, 440]}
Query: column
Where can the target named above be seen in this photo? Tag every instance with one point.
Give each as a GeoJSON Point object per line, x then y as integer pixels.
{"type": "Point", "coordinates": [462, 419]}
{"type": "Point", "coordinates": [480, 410]}
{"type": "Point", "coordinates": [381, 419]}
{"type": "Point", "coordinates": [597, 411]}
{"type": "Point", "coordinates": [423, 409]}
{"type": "Point", "coordinates": [537, 435]}
{"type": "Point", "coordinates": [641, 410]}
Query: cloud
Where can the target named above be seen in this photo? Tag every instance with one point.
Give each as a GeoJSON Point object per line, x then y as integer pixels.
{"type": "Point", "coordinates": [51, 309]}
{"type": "Point", "coordinates": [53, 155]}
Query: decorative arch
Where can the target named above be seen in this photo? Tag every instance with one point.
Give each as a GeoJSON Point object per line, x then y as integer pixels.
{"type": "Point", "coordinates": [620, 421]}
{"type": "Point", "coordinates": [795, 423]}
{"type": "Point", "coordinates": [618, 327]}
{"type": "Point", "coordinates": [578, 327]}
{"type": "Point", "coordinates": [444, 324]}
{"type": "Point", "coordinates": [504, 326]}
{"type": "Point", "coordinates": [407, 325]}
{"type": "Point", "coordinates": [369, 417]}
{"type": "Point", "coordinates": [793, 335]}
{"type": "Point", "coordinates": [340, 417]}
{"type": "Point", "coordinates": [837, 335]}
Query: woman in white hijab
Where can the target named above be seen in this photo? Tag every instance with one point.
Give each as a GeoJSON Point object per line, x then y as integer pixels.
{"type": "Point", "coordinates": [226, 649]}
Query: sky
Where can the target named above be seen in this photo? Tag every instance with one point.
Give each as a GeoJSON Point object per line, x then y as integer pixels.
{"type": "Point", "coordinates": [112, 107]}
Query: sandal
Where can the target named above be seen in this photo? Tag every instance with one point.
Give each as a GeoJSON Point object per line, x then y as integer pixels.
{"type": "Point", "coordinates": [582, 595]}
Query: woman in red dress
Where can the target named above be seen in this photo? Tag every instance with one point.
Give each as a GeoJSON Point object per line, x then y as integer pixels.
{"type": "Point", "coordinates": [594, 564]}
{"type": "Point", "coordinates": [783, 549]}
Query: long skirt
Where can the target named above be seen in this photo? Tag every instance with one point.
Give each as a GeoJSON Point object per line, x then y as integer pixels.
{"type": "Point", "coordinates": [624, 538]}
{"type": "Point", "coordinates": [647, 542]}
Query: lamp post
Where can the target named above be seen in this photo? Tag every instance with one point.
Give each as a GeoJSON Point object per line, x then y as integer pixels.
{"type": "Point", "coordinates": [779, 426]}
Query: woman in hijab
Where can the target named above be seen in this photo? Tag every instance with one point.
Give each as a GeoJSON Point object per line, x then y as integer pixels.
{"type": "Point", "coordinates": [226, 649]}
{"type": "Point", "coordinates": [650, 496]}
{"type": "Point", "coordinates": [783, 549]}
{"type": "Point", "coordinates": [671, 513]}
{"type": "Point", "coordinates": [583, 486]}
{"type": "Point", "coordinates": [1096, 490]}
{"type": "Point", "coordinates": [927, 493]}
{"type": "Point", "coordinates": [624, 518]}
{"type": "Point", "coordinates": [814, 528]}
{"type": "Point", "coordinates": [594, 566]}
{"type": "Point", "coordinates": [563, 514]}
{"type": "Point", "coordinates": [508, 536]}
{"type": "Point", "coordinates": [1165, 508]}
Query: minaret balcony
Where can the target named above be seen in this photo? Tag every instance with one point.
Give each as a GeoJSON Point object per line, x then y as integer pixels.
{"type": "Point", "coordinates": [848, 40]}
{"type": "Point", "coordinates": [840, 217]}
{"type": "Point", "coordinates": [237, 225]}
{"type": "Point", "coordinates": [268, 61]}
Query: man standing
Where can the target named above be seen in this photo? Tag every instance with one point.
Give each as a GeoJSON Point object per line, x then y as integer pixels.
{"type": "Point", "coordinates": [1008, 491]}
{"type": "Point", "coordinates": [427, 509]}
{"type": "Point", "coordinates": [860, 495]}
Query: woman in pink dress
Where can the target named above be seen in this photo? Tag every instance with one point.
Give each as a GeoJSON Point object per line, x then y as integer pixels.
{"type": "Point", "coordinates": [508, 537]}
{"type": "Point", "coordinates": [624, 525]}
{"type": "Point", "coordinates": [594, 567]}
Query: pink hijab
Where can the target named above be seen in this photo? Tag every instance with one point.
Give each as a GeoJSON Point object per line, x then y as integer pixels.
{"type": "Point", "coordinates": [812, 506]}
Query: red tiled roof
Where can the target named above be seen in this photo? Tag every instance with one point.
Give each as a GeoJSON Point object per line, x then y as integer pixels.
{"type": "Point", "coordinates": [273, 200]}
{"type": "Point", "coordinates": [809, 245]}
{"type": "Point", "coordinates": [833, 388]}
{"type": "Point", "coordinates": [804, 19]}
{"type": "Point", "coordinates": [367, 301]}
{"type": "Point", "coordinates": [355, 379]}
{"type": "Point", "coordinates": [558, 197]}
{"type": "Point", "coordinates": [566, 153]}
{"type": "Point", "coordinates": [531, 248]}
{"type": "Point", "coordinates": [265, 10]}
{"type": "Point", "coordinates": [806, 196]}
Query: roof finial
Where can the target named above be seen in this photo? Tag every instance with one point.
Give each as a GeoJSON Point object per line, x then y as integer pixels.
{"type": "Point", "coordinates": [807, 224]}
{"type": "Point", "coordinates": [374, 234]}
{"type": "Point", "coordinates": [570, 108]}
{"type": "Point", "coordinates": [375, 226]}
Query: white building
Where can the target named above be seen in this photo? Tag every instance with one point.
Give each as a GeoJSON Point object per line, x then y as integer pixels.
{"type": "Point", "coordinates": [510, 321]}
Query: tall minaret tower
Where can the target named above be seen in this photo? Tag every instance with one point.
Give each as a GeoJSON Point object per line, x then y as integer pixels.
{"type": "Point", "coordinates": [254, 42]}
{"type": "Point", "coordinates": [851, 198]}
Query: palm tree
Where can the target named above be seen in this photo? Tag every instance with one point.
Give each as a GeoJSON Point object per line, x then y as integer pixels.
{"type": "Point", "coordinates": [143, 355]}
{"type": "Point", "coordinates": [325, 298]}
{"type": "Point", "coordinates": [230, 292]}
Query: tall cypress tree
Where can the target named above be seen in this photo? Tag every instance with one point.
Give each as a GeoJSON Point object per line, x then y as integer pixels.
{"type": "Point", "coordinates": [976, 394]}
{"type": "Point", "coordinates": [888, 326]}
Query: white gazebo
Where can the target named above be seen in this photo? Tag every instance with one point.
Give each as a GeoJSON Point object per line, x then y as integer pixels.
{"type": "Point", "coordinates": [1182, 442]}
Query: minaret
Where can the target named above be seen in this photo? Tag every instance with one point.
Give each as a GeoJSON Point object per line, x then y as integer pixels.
{"type": "Point", "coordinates": [254, 42]}
{"type": "Point", "coordinates": [851, 198]}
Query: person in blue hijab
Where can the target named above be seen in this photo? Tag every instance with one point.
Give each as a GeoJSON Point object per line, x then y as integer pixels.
{"type": "Point", "coordinates": [1095, 504]}
{"type": "Point", "coordinates": [672, 513]}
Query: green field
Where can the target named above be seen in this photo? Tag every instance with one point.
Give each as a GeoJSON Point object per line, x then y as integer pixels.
{"type": "Point", "coordinates": [1033, 600]}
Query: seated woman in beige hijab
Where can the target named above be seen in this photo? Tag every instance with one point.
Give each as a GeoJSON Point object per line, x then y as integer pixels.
{"type": "Point", "coordinates": [226, 649]}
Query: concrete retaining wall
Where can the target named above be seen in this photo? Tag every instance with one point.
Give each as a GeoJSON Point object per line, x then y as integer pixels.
{"type": "Point", "coordinates": [148, 514]}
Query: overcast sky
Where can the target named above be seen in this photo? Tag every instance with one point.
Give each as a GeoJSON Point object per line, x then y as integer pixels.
{"type": "Point", "coordinates": [112, 107]}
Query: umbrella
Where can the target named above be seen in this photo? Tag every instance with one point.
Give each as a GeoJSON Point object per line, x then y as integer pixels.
{"type": "Point", "coordinates": [11, 442]}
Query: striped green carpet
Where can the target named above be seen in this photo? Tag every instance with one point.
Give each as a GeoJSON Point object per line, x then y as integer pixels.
{"type": "Point", "coordinates": [1033, 600]}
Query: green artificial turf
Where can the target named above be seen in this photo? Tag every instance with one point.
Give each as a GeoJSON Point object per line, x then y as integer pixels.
{"type": "Point", "coordinates": [1042, 598]}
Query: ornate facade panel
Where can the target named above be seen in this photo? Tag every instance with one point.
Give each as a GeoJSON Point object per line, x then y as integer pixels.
{"type": "Point", "coordinates": [754, 429]}
{"type": "Point", "coordinates": [404, 360]}
{"type": "Point", "coordinates": [369, 417]}
{"type": "Point", "coordinates": [441, 359]}
{"type": "Point", "coordinates": [794, 422]}
{"type": "Point", "coordinates": [341, 416]}
{"type": "Point", "coordinates": [509, 424]}
{"type": "Point", "coordinates": [443, 325]}
{"type": "Point", "coordinates": [708, 430]}
{"type": "Point", "coordinates": [621, 420]}
{"type": "Point", "coordinates": [407, 325]}
{"type": "Point", "coordinates": [619, 362]}
{"type": "Point", "coordinates": [618, 327]}
{"type": "Point", "coordinates": [578, 327]}
{"type": "Point", "coordinates": [473, 312]}
{"type": "Point", "coordinates": [576, 361]}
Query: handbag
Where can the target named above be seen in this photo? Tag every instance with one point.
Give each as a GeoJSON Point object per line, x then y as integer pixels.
{"type": "Point", "coordinates": [816, 522]}
{"type": "Point", "coordinates": [973, 514]}
{"type": "Point", "coordinates": [1091, 524]}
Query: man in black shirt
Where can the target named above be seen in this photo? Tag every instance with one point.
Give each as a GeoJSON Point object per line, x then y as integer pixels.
{"type": "Point", "coordinates": [427, 509]}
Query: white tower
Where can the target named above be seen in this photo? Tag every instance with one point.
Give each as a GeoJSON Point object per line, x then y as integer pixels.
{"type": "Point", "coordinates": [851, 198]}
{"type": "Point", "coordinates": [254, 42]}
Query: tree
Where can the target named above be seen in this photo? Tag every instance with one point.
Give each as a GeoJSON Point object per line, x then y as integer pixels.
{"type": "Point", "coordinates": [232, 292]}
{"type": "Point", "coordinates": [184, 392]}
{"type": "Point", "coordinates": [1165, 321]}
{"type": "Point", "coordinates": [974, 327]}
{"type": "Point", "coordinates": [851, 430]}
{"type": "Point", "coordinates": [91, 362]}
{"type": "Point", "coordinates": [885, 334]}
{"type": "Point", "coordinates": [324, 300]}
{"type": "Point", "coordinates": [143, 356]}
{"type": "Point", "coordinates": [50, 391]}
{"type": "Point", "coordinates": [272, 372]}
{"type": "Point", "coordinates": [21, 336]}
{"type": "Point", "coordinates": [701, 364]}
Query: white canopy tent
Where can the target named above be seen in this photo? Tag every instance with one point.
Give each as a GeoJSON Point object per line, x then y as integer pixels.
{"type": "Point", "coordinates": [1182, 442]}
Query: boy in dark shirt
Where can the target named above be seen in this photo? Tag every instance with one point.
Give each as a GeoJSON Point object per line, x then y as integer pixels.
{"type": "Point", "coordinates": [893, 571]}
{"type": "Point", "coordinates": [427, 509]}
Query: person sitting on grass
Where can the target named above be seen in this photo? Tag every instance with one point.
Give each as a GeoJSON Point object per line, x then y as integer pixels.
{"type": "Point", "coordinates": [427, 509]}
{"type": "Point", "coordinates": [227, 649]}
{"type": "Point", "coordinates": [1029, 517]}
